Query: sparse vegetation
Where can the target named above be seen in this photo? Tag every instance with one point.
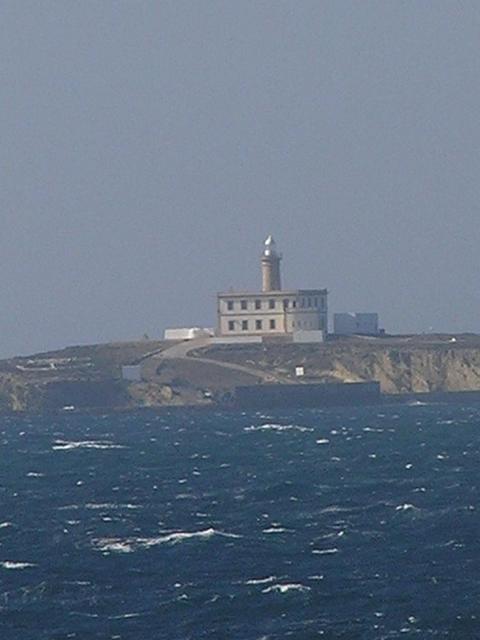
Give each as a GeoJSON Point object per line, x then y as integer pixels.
{"type": "Point", "coordinates": [91, 376]}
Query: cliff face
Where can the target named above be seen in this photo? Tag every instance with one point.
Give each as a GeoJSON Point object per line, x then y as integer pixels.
{"type": "Point", "coordinates": [83, 377]}
{"type": "Point", "coordinates": [15, 395]}
{"type": "Point", "coordinates": [399, 366]}
{"type": "Point", "coordinates": [410, 370]}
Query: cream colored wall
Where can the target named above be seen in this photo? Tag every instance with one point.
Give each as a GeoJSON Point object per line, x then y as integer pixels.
{"type": "Point", "coordinates": [251, 314]}
{"type": "Point", "coordinates": [250, 300]}
{"type": "Point", "coordinates": [306, 319]}
{"type": "Point", "coordinates": [287, 319]}
{"type": "Point", "coordinates": [251, 319]}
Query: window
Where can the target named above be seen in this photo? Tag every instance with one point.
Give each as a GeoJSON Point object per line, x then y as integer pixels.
{"type": "Point", "coordinates": [271, 304]}
{"type": "Point", "coordinates": [285, 303]}
{"type": "Point", "coordinates": [230, 305]}
{"type": "Point", "coordinates": [302, 302]}
{"type": "Point", "coordinates": [231, 325]}
{"type": "Point", "coordinates": [258, 304]}
{"type": "Point", "coordinates": [243, 304]}
{"type": "Point", "coordinates": [315, 302]}
{"type": "Point", "coordinates": [272, 324]}
{"type": "Point", "coordinates": [294, 304]}
{"type": "Point", "coordinates": [258, 325]}
{"type": "Point", "coordinates": [244, 325]}
{"type": "Point", "coordinates": [309, 302]}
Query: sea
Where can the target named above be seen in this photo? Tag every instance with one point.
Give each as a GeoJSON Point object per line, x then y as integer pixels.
{"type": "Point", "coordinates": [343, 523]}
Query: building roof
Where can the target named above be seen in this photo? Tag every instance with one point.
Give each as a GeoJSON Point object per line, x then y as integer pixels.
{"type": "Point", "coordinates": [270, 248]}
{"type": "Point", "coordinates": [271, 294]}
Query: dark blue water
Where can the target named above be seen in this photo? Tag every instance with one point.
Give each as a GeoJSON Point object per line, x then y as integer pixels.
{"type": "Point", "coordinates": [344, 523]}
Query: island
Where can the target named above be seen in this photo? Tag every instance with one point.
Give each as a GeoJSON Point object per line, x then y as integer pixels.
{"type": "Point", "coordinates": [197, 373]}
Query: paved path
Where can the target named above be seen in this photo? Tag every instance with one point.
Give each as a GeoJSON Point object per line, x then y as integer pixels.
{"type": "Point", "coordinates": [181, 350]}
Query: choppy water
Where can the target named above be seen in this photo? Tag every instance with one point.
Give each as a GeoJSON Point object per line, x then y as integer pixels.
{"type": "Point", "coordinates": [344, 523]}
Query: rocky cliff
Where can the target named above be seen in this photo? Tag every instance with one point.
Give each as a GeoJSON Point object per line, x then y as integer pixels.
{"type": "Point", "coordinates": [91, 377]}
{"type": "Point", "coordinates": [416, 364]}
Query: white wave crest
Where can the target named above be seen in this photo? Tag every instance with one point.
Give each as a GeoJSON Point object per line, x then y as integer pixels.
{"type": "Point", "coordinates": [322, 441]}
{"type": "Point", "coordinates": [261, 580]}
{"type": "Point", "coordinates": [270, 426]}
{"type": "Point", "coordinates": [4, 525]}
{"type": "Point", "coordinates": [405, 507]}
{"type": "Point", "coordinates": [16, 565]}
{"type": "Point", "coordinates": [66, 445]}
{"type": "Point", "coordinates": [180, 536]}
{"type": "Point", "coordinates": [116, 546]}
{"type": "Point", "coordinates": [132, 544]}
{"type": "Point", "coordinates": [111, 506]}
{"type": "Point", "coordinates": [285, 588]}
{"type": "Point", "coordinates": [325, 552]}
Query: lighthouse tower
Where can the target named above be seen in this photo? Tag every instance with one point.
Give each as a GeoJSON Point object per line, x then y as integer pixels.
{"type": "Point", "coordinates": [250, 316]}
{"type": "Point", "coordinates": [271, 266]}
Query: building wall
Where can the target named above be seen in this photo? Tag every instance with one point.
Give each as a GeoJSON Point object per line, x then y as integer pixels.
{"type": "Point", "coordinates": [187, 333]}
{"type": "Point", "coordinates": [351, 323]}
{"type": "Point", "coordinates": [307, 395]}
{"type": "Point", "coordinates": [304, 319]}
{"type": "Point", "coordinates": [272, 312]}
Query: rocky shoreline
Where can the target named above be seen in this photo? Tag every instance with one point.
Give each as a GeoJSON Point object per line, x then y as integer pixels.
{"type": "Point", "coordinates": [200, 375]}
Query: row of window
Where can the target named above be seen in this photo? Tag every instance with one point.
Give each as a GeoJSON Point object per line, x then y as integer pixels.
{"type": "Point", "coordinates": [304, 324]}
{"type": "Point", "coordinates": [244, 304]}
{"type": "Point", "coordinates": [258, 325]}
{"type": "Point", "coordinates": [303, 303]}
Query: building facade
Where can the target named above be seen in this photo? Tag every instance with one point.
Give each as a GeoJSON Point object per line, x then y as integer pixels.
{"type": "Point", "coordinates": [272, 311]}
{"type": "Point", "coordinates": [347, 324]}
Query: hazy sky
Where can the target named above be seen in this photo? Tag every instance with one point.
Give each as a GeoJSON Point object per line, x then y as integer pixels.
{"type": "Point", "coordinates": [148, 147]}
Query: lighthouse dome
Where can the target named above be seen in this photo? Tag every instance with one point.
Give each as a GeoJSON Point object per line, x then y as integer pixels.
{"type": "Point", "coordinates": [270, 248]}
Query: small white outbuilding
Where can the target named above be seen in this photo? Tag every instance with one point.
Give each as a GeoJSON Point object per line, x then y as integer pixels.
{"type": "Point", "coordinates": [347, 324]}
{"type": "Point", "coordinates": [187, 333]}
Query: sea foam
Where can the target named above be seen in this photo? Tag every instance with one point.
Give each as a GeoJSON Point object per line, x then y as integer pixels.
{"type": "Point", "coordinates": [255, 581]}
{"type": "Point", "coordinates": [133, 544]}
{"type": "Point", "coordinates": [66, 445]}
{"type": "Point", "coordinates": [270, 426]}
{"type": "Point", "coordinates": [285, 588]}
{"type": "Point", "coordinates": [8, 564]}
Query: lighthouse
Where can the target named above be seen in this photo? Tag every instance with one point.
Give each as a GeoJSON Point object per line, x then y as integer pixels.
{"type": "Point", "coordinates": [271, 280]}
{"type": "Point", "coordinates": [293, 314]}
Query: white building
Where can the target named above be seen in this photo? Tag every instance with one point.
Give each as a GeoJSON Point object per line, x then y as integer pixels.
{"type": "Point", "coordinates": [187, 333]}
{"type": "Point", "coordinates": [272, 311]}
{"type": "Point", "coordinates": [347, 324]}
